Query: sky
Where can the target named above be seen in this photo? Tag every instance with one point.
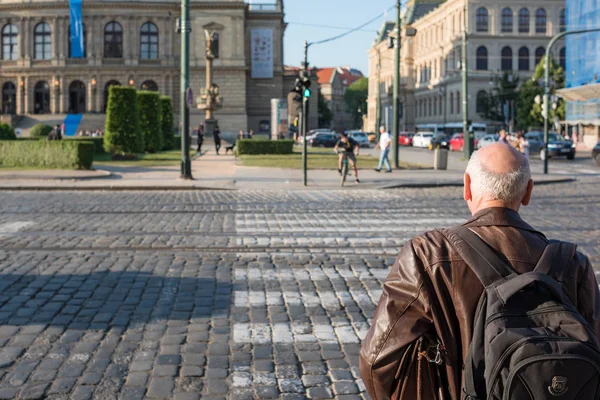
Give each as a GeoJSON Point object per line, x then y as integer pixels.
{"type": "Point", "coordinates": [350, 50]}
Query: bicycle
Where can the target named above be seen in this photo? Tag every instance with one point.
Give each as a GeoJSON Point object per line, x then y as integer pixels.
{"type": "Point", "coordinates": [344, 172]}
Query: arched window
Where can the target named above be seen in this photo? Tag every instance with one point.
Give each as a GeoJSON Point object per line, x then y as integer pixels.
{"type": "Point", "coordinates": [149, 42]}
{"type": "Point", "coordinates": [9, 98]}
{"type": "Point", "coordinates": [84, 42]}
{"type": "Point", "coordinates": [9, 42]}
{"type": "Point", "coordinates": [150, 85]}
{"type": "Point", "coordinates": [540, 20]}
{"type": "Point", "coordinates": [507, 20]}
{"type": "Point", "coordinates": [481, 100]}
{"type": "Point", "coordinates": [106, 91]}
{"type": "Point", "coordinates": [43, 41]}
{"type": "Point", "coordinates": [113, 40]}
{"type": "Point", "coordinates": [523, 20]}
{"type": "Point", "coordinates": [562, 58]}
{"type": "Point", "coordinates": [539, 54]}
{"type": "Point", "coordinates": [481, 19]}
{"type": "Point", "coordinates": [451, 103]}
{"type": "Point", "coordinates": [523, 59]}
{"type": "Point", "coordinates": [41, 98]}
{"type": "Point", "coordinates": [506, 62]}
{"type": "Point", "coordinates": [77, 97]}
{"type": "Point", "coordinates": [481, 63]}
{"type": "Point", "coordinates": [562, 23]}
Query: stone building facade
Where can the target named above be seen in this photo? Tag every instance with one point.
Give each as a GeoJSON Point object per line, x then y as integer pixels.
{"type": "Point", "coordinates": [136, 43]}
{"type": "Point", "coordinates": [508, 36]}
{"type": "Point", "coordinates": [333, 83]}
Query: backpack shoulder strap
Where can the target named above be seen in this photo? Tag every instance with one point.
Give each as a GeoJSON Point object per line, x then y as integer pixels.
{"type": "Point", "coordinates": [555, 259]}
{"type": "Point", "coordinates": [479, 256]}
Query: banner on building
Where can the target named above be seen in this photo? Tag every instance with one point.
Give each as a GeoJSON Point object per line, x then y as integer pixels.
{"type": "Point", "coordinates": [262, 53]}
{"type": "Point", "coordinates": [76, 30]}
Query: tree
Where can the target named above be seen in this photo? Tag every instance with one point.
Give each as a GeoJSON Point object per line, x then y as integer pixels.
{"type": "Point", "coordinates": [355, 100]}
{"type": "Point", "coordinates": [40, 130]}
{"type": "Point", "coordinates": [525, 120]}
{"type": "Point", "coordinates": [499, 103]}
{"type": "Point", "coordinates": [7, 132]}
{"type": "Point", "coordinates": [150, 125]}
{"type": "Point", "coordinates": [166, 120]}
{"type": "Point", "coordinates": [325, 114]}
{"type": "Point", "coordinates": [122, 131]}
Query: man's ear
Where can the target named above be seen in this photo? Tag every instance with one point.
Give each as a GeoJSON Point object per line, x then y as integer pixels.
{"type": "Point", "coordinates": [527, 197]}
{"type": "Point", "coordinates": [467, 195]}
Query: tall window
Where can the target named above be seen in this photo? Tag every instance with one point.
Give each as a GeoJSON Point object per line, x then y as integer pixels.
{"type": "Point", "coordinates": [540, 20]}
{"type": "Point", "coordinates": [523, 20]}
{"type": "Point", "coordinates": [506, 63]}
{"type": "Point", "coordinates": [113, 40]}
{"type": "Point", "coordinates": [435, 106]}
{"type": "Point", "coordinates": [41, 98]}
{"type": "Point", "coordinates": [430, 113]}
{"type": "Point", "coordinates": [150, 85]}
{"type": "Point", "coordinates": [523, 59]}
{"type": "Point", "coordinates": [84, 42]}
{"type": "Point", "coordinates": [481, 100]}
{"type": "Point", "coordinates": [507, 20]}
{"type": "Point", "coordinates": [43, 41]}
{"type": "Point", "coordinates": [451, 103]}
{"type": "Point", "coordinates": [149, 42]}
{"type": "Point", "coordinates": [562, 23]}
{"type": "Point", "coordinates": [481, 19]}
{"type": "Point", "coordinates": [9, 98]}
{"type": "Point", "coordinates": [482, 59]}
{"type": "Point", "coordinates": [457, 102]}
{"type": "Point", "coordinates": [539, 54]}
{"type": "Point", "coordinates": [440, 104]}
{"type": "Point", "coordinates": [9, 42]}
{"type": "Point", "coordinates": [562, 58]}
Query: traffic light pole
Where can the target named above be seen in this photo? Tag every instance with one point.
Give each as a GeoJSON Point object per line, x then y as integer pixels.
{"type": "Point", "coordinates": [396, 105]}
{"type": "Point", "coordinates": [186, 164]}
{"type": "Point", "coordinates": [305, 122]}
{"type": "Point", "coordinates": [547, 84]}
{"type": "Point", "coordinates": [467, 137]}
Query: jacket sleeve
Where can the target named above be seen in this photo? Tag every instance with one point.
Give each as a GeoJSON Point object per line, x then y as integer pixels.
{"type": "Point", "coordinates": [402, 316]}
{"type": "Point", "coordinates": [588, 295]}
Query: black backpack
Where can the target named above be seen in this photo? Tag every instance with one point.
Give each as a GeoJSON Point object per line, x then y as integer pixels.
{"type": "Point", "coordinates": [529, 341]}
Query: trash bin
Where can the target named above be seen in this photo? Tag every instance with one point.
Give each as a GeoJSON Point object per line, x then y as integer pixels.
{"type": "Point", "coordinates": [440, 159]}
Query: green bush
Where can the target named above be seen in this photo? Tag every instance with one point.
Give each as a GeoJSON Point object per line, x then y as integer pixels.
{"type": "Point", "coordinates": [97, 140]}
{"type": "Point", "coordinates": [166, 120]}
{"type": "Point", "coordinates": [40, 130]}
{"type": "Point", "coordinates": [7, 132]}
{"type": "Point", "coordinates": [150, 126]}
{"type": "Point", "coordinates": [261, 146]}
{"type": "Point", "coordinates": [64, 154]}
{"type": "Point", "coordinates": [122, 130]}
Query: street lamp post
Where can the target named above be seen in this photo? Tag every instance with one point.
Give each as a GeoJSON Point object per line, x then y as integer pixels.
{"type": "Point", "coordinates": [186, 164]}
{"type": "Point", "coordinates": [468, 138]}
{"type": "Point", "coordinates": [396, 98]}
{"type": "Point", "coordinates": [545, 110]}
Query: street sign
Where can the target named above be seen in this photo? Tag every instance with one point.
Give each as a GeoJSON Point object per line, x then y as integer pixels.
{"type": "Point", "coordinates": [189, 95]}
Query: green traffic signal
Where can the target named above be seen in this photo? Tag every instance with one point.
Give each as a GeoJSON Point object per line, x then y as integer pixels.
{"type": "Point", "coordinates": [307, 93]}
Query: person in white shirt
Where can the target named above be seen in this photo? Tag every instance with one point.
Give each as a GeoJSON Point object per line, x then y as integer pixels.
{"type": "Point", "coordinates": [385, 141]}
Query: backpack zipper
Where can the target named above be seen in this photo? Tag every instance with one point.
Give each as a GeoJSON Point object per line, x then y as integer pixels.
{"type": "Point", "coordinates": [556, 308]}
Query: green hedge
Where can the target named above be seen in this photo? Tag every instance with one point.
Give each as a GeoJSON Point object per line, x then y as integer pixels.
{"type": "Point", "coordinates": [97, 140]}
{"type": "Point", "coordinates": [261, 146]}
{"type": "Point", "coordinates": [64, 154]}
{"type": "Point", "coordinates": [150, 126]}
{"type": "Point", "coordinates": [176, 142]}
{"type": "Point", "coordinates": [166, 121]}
{"type": "Point", "coordinates": [7, 132]}
{"type": "Point", "coordinates": [40, 130]}
{"type": "Point", "coordinates": [122, 130]}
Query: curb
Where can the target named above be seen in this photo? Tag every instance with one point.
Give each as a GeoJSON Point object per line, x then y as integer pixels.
{"type": "Point", "coordinates": [102, 175]}
{"type": "Point", "coordinates": [426, 185]}
{"type": "Point", "coordinates": [108, 188]}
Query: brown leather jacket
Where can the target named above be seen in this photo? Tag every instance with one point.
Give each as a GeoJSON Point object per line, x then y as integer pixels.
{"type": "Point", "coordinates": [430, 290]}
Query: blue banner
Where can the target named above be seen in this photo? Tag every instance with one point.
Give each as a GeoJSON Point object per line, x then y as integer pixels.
{"type": "Point", "coordinates": [76, 34]}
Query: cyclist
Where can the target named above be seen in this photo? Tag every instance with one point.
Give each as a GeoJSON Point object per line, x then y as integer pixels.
{"type": "Point", "coordinates": [349, 147]}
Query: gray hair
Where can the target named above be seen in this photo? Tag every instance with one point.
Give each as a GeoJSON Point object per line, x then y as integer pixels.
{"type": "Point", "coordinates": [508, 187]}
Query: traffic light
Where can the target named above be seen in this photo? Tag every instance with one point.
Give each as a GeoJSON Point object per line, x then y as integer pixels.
{"type": "Point", "coordinates": [305, 82]}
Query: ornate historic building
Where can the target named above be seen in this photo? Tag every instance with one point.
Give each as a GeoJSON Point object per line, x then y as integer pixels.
{"type": "Point", "coordinates": [503, 37]}
{"type": "Point", "coordinates": [136, 43]}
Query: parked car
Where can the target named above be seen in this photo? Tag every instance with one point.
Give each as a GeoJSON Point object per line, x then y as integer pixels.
{"type": "Point", "coordinates": [440, 141]}
{"type": "Point", "coordinates": [361, 138]}
{"type": "Point", "coordinates": [457, 142]}
{"type": "Point", "coordinates": [487, 140]}
{"type": "Point", "coordinates": [323, 140]}
{"type": "Point", "coordinates": [557, 145]}
{"type": "Point", "coordinates": [596, 153]}
{"type": "Point", "coordinates": [406, 138]}
{"type": "Point", "coordinates": [313, 133]}
{"type": "Point", "coordinates": [422, 139]}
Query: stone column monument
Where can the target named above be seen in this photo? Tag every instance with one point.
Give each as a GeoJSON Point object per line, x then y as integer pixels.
{"type": "Point", "coordinates": [209, 99]}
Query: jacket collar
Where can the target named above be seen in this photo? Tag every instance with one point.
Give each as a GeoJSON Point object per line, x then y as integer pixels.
{"type": "Point", "coordinates": [500, 216]}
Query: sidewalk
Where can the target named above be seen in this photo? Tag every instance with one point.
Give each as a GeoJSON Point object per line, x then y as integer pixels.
{"type": "Point", "coordinates": [222, 173]}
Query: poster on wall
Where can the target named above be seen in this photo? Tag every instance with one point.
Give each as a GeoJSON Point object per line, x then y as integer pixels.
{"type": "Point", "coordinates": [76, 34]}
{"type": "Point", "coordinates": [262, 53]}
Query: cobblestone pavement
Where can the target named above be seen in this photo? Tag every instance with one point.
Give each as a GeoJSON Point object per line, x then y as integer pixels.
{"type": "Point", "coordinates": [232, 295]}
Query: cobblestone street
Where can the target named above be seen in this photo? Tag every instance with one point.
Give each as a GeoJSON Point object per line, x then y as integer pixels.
{"type": "Point", "coordinates": [231, 295]}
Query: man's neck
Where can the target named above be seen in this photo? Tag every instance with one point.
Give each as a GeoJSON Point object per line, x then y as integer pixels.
{"type": "Point", "coordinates": [483, 204]}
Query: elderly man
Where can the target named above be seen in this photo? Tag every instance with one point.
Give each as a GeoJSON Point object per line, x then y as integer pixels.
{"type": "Point", "coordinates": [431, 292]}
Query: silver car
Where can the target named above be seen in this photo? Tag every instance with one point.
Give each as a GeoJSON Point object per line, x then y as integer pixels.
{"type": "Point", "coordinates": [488, 139]}
{"type": "Point", "coordinates": [361, 138]}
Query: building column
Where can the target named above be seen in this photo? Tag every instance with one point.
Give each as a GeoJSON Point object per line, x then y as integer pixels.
{"type": "Point", "coordinates": [21, 38]}
{"type": "Point", "coordinates": [27, 42]}
{"type": "Point", "coordinates": [54, 37]}
{"type": "Point", "coordinates": [89, 97]}
{"type": "Point", "coordinates": [28, 96]}
{"type": "Point", "coordinates": [20, 97]}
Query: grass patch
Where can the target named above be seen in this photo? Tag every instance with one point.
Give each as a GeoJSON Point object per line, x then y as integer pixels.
{"type": "Point", "coordinates": [321, 160]}
{"type": "Point", "coordinates": [160, 159]}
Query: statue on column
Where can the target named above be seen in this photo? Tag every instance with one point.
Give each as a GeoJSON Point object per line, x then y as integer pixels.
{"type": "Point", "coordinates": [210, 99]}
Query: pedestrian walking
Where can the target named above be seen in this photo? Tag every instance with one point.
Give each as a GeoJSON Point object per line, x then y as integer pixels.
{"type": "Point", "coordinates": [217, 138]}
{"type": "Point", "coordinates": [200, 137]}
{"type": "Point", "coordinates": [523, 145]}
{"type": "Point", "coordinates": [384, 144]}
{"type": "Point", "coordinates": [503, 136]}
{"type": "Point", "coordinates": [429, 338]}
{"type": "Point", "coordinates": [250, 134]}
{"type": "Point", "coordinates": [241, 135]}
{"type": "Point", "coordinates": [54, 134]}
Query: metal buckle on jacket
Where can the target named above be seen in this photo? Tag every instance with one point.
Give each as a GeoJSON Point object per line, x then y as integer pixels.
{"type": "Point", "coordinates": [434, 354]}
